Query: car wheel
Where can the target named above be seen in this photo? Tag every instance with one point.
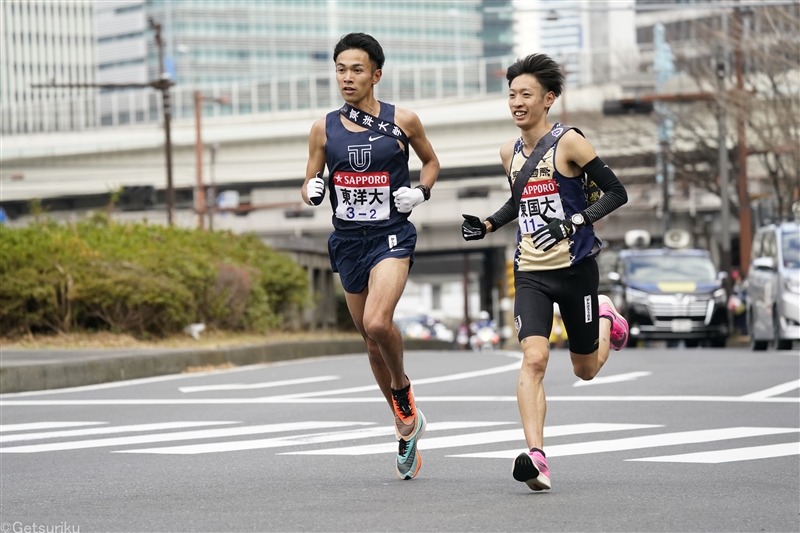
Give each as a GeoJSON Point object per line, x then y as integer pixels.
{"type": "Point", "coordinates": [780, 344]}
{"type": "Point", "coordinates": [692, 343]}
{"type": "Point", "coordinates": [719, 342]}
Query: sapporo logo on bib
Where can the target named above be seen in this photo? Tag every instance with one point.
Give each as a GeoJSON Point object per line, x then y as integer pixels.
{"type": "Point", "coordinates": [539, 198]}
{"type": "Point", "coordinates": [362, 195]}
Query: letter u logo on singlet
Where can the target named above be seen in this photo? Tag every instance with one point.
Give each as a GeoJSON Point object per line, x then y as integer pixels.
{"type": "Point", "coordinates": [360, 156]}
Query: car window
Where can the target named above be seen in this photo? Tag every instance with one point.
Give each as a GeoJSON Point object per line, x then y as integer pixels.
{"type": "Point", "coordinates": [791, 249]}
{"type": "Point", "coordinates": [770, 250]}
{"type": "Point", "coordinates": [656, 269]}
{"type": "Point", "coordinates": [758, 240]}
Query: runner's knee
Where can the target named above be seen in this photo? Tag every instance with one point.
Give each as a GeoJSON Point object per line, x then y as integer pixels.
{"type": "Point", "coordinates": [585, 366]}
{"type": "Point", "coordinates": [534, 362]}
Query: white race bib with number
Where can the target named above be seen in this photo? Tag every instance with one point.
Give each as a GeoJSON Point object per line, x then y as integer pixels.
{"type": "Point", "coordinates": [362, 195]}
{"type": "Point", "coordinates": [539, 198]}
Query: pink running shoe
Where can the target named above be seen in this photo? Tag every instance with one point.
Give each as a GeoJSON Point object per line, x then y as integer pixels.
{"type": "Point", "coordinates": [531, 469]}
{"type": "Point", "coordinates": [619, 326]}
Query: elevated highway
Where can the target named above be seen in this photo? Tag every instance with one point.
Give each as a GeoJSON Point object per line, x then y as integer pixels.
{"type": "Point", "coordinates": [263, 158]}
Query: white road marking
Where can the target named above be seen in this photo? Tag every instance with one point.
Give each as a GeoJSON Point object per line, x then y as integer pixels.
{"type": "Point", "coordinates": [171, 377]}
{"type": "Point", "coordinates": [635, 443]}
{"type": "Point", "coordinates": [8, 428]}
{"type": "Point", "coordinates": [489, 437]}
{"type": "Point", "coordinates": [728, 456]}
{"type": "Point", "coordinates": [107, 430]}
{"type": "Point", "coordinates": [423, 381]}
{"type": "Point", "coordinates": [183, 435]}
{"type": "Point", "coordinates": [630, 376]}
{"type": "Point", "coordinates": [774, 391]}
{"type": "Point", "coordinates": [217, 447]}
{"type": "Point", "coordinates": [264, 385]}
{"type": "Point", "coordinates": [377, 399]}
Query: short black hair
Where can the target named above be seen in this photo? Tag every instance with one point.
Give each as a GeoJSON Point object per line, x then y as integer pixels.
{"type": "Point", "coordinates": [361, 41]}
{"type": "Point", "coordinates": [542, 67]}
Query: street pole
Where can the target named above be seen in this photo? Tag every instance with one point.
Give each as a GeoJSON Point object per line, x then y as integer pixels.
{"type": "Point", "coordinates": [213, 190]}
{"type": "Point", "coordinates": [745, 228]}
{"type": "Point", "coordinates": [164, 84]}
{"type": "Point", "coordinates": [724, 185]}
{"type": "Point", "coordinates": [200, 193]}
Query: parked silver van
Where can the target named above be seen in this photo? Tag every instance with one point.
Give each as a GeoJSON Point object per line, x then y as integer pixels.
{"type": "Point", "coordinates": [773, 287]}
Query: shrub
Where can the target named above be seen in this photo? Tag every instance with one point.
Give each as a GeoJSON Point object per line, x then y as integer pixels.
{"type": "Point", "coordinates": [141, 279]}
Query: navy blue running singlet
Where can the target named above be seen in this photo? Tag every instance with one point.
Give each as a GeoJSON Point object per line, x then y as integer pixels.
{"type": "Point", "coordinates": [364, 169]}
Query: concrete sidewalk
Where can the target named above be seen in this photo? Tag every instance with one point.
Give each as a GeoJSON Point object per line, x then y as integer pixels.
{"type": "Point", "coordinates": [30, 370]}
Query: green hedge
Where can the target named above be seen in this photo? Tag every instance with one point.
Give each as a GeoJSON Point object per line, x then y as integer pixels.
{"type": "Point", "coordinates": [141, 279]}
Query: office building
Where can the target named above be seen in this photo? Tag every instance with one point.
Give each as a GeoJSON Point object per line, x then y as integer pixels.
{"type": "Point", "coordinates": [46, 42]}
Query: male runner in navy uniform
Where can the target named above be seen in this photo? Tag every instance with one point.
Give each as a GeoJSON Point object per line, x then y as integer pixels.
{"type": "Point", "coordinates": [556, 248]}
{"type": "Point", "coordinates": [365, 147]}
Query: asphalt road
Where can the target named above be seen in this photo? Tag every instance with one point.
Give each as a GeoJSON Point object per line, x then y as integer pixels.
{"type": "Point", "coordinates": [662, 440]}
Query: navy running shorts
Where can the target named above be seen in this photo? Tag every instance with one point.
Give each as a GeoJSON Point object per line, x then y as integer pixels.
{"type": "Point", "coordinates": [353, 253]}
{"type": "Point", "coordinates": [574, 289]}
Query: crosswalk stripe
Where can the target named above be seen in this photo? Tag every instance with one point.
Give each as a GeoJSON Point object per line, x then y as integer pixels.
{"type": "Point", "coordinates": [217, 447]}
{"type": "Point", "coordinates": [184, 435]}
{"type": "Point", "coordinates": [729, 456]}
{"type": "Point", "coordinates": [630, 376]}
{"type": "Point", "coordinates": [635, 443]}
{"type": "Point", "coordinates": [8, 428]}
{"type": "Point", "coordinates": [263, 385]}
{"type": "Point", "coordinates": [107, 430]}
{"type": "Point", "coordinates": [490, 437]}
{"type": "Point", "coordinates": [774, 391]}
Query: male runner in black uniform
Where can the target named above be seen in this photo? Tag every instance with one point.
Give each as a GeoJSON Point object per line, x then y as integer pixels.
{"type": "Point", "coordinates": [556, 248]}
{"type": "Point", "coordinates": [365, 147]}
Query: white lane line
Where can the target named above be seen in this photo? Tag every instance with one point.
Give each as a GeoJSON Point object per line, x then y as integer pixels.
{"type": "Point", "coordinates": [376, 399]}
{"type": "Point", "coordinates": [422, 381]}
{"type": "Point", "coordinates": [774, 391]}
{"type": "Point", "coordinates": [183, 435]}
{"type": "Point", "coordinates": [107, 430]}
{"type": "Point", "coordinates": [728, 456]}
{"type": "Point", "coordinates": [488, 437]}
{"type": "Point", "coordinates": [636, 443]}
{"type": "Point", "coordinates": [171, 377]}
{"type": "Point", "coordinates": [263, 385]}
{"type": "Point", "coordinates": [217, 447]}
{"type": "Point", "coordinates": [8, 428]}
{"type": "Point", "coordinates": [630, 376]}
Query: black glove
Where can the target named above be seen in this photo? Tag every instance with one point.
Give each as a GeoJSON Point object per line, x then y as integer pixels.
{"type": "Point", "coordinates": [472, 229]}
{"type": "Point", "coordinates": [554, 232]}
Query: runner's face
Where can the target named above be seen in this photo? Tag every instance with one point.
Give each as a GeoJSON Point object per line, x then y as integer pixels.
{"type": "Point", "coordinates": [355, 75]}
{"type": "Point", "coordinates": [527, 102]}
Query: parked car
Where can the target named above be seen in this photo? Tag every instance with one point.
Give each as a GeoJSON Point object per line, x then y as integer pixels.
{"type": "Point", "coordinates": [773, 287]}
{"type": "Point", "coordinates": [671, 294]}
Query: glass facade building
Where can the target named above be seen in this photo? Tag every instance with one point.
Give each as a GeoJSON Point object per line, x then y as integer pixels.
{"type": "Point", "coordinates": [241, 41]}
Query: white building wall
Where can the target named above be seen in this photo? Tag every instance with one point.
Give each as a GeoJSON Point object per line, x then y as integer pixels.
{"type": "Point", "coordinates": [45, 42]}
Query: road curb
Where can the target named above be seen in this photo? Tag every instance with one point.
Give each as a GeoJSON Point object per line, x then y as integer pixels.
{"type": "Point", "coordinates": [94, 370]}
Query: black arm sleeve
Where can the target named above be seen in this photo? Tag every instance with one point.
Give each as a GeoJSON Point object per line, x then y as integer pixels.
{"type": "Point", "coordinates": [614, 194]}
{"type": "Point", "coordinates": [504, 215]}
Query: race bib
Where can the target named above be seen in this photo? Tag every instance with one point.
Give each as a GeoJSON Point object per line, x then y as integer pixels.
{"type": "Point", "coordinates": [362, 195]}
{"type": "Point", "coordinates": [539, 198]}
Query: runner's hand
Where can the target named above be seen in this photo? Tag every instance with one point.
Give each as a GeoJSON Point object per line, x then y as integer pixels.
{"type": "Point", "coordinates": [315, 190]}
{"type": "Point", "coordinates": [554, 232]}
{"type": "Point", "coordinates": [406, 199]}
{"type": "Point", "coordinates": [472, 229]}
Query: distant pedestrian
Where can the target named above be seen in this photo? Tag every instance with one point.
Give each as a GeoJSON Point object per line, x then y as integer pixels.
{"type": "Point", "coordinates": [365, 145]}
{"type": "Point", "coordinates": [556, 179]}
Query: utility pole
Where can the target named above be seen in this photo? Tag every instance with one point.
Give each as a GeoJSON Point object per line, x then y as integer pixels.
{"type": "Point", "coordinates": [200, 194]}
{"type": "Point", "coordinates": [724, 185]}
{"type": "Point", "coordinates": [745, 224]}
{"type": "Point", "coordinates": [163, 83]}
